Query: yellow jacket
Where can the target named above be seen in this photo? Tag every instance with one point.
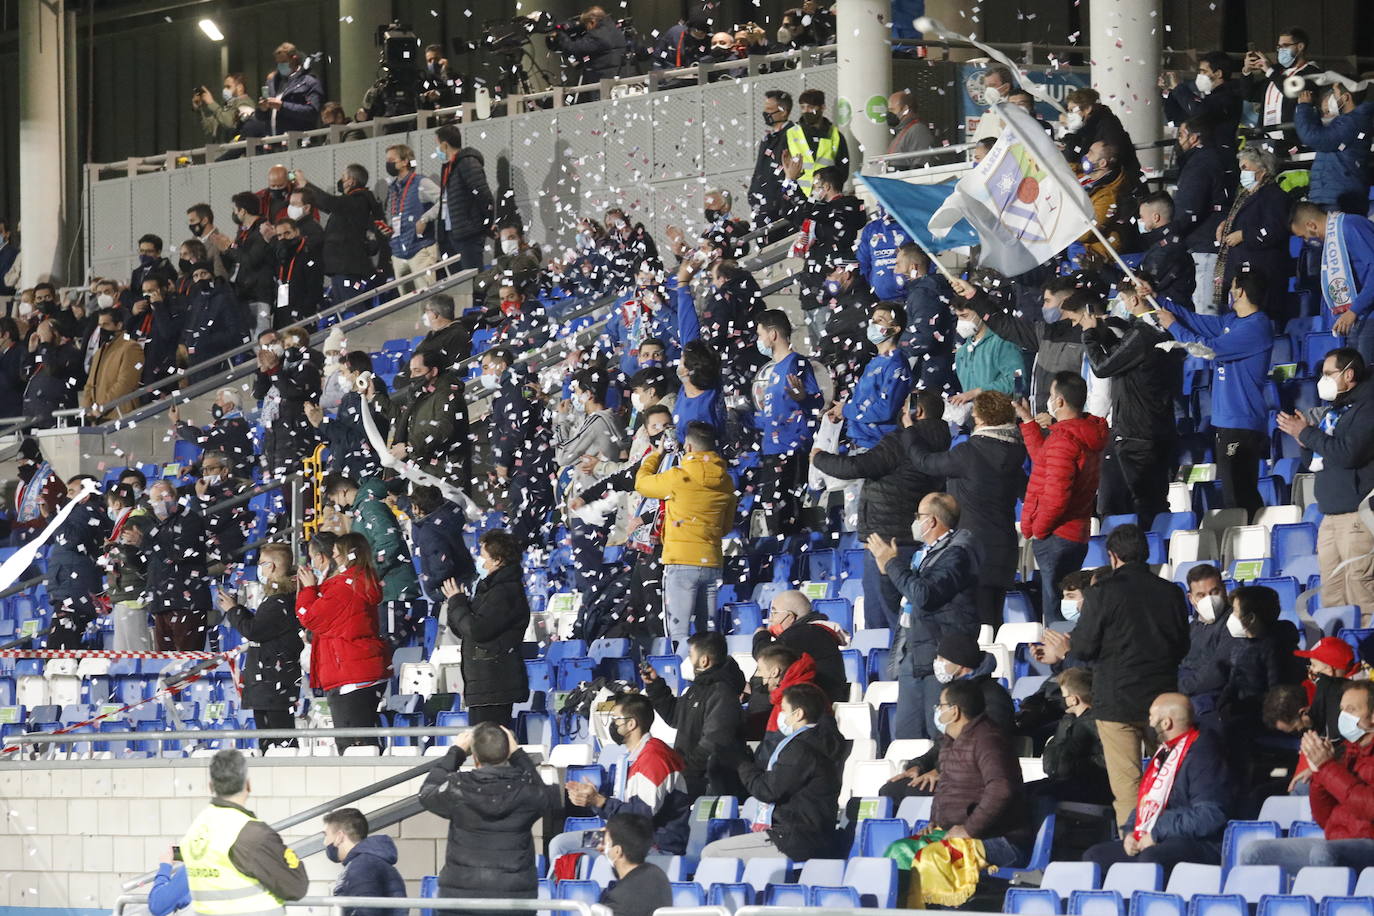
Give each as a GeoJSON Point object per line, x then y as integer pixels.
{"type": "Point", "coordinates": [698, 505]}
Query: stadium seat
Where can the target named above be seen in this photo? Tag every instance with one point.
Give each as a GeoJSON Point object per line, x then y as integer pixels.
{"type": "Point", "coordinates": [1346, 906]}
{"type": "Point", "coordinates": [787, 895]}
{"type": "Point", "coordinates": [587, 891]}
{"type": "Point", "coordinates": [1154, 903]}
{"type": "Point", "coordinates": [915, 808]}
{"type": "Point", "coordinates": [1254, 881]}
{"type": "Point", "coordinates": [1189, 879]}
{"type": "Point", "coordinates": [1286, 905]}
{"type": "Point", "coordinates": [1040, 852]}
{"type": "Point", "coordinates": [730, 896]}
{"type": "Point", "coordinates": [1128, 877]}
{"type": "Point", "coordinates": [1096, 903]}
{"type": "Point", "coordinates": [822, 872]}
{"type": "Point", "coordinates": [1066, 877]}
{"type": "Point", "coordinates": [718, 870]}
{"type": "Point", "coordinates": [834, 897]}
{"type": "Point", "coordinates": [759, 873]}
{"type": "Point", "coordinates": [675, 867]}
{"type": "Point", "coordinates": [1283, 810]}
{"type": "Point", "coordinates": [1031, 901]}
{"type": "Point", "coordinates": [688, 894]}
{"type": "Point", "coordinates": [1218, 905]}
{"type": "Point", "coordinates": [1306, 829]}
{"type": "Point", "coordinates": [874, 835]}
{"type": "Point", "coordinates": [1364, 884]}
{"type": "Point", "coordinates": [875, 878]}
{"type": "Point", "coordinates": [1317, 881]}
{"type": "Point", "coordinates": [1292, 540]}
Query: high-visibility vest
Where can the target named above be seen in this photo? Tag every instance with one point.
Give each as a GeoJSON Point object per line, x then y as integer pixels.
{"type": "Point", "coordinates": [826, 150]}
{"type": "Point", "coordinates": [217, 887]}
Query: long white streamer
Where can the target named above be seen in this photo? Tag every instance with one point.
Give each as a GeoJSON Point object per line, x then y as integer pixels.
{"type": "Point", "coordinates": [21, 559]}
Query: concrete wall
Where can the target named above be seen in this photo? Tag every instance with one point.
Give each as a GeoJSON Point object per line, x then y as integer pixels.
{"type": "Point", "coordinates": [70, 834]}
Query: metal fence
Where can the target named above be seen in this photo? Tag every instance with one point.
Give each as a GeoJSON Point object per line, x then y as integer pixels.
{"type": "Point", "coordinates": [337, 905]}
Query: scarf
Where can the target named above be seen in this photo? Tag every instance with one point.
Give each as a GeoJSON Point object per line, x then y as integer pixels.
{"type": "Point", "coordinates": [1006, 432]}
{"type": "Point", "coordinates": [802, 671]}
{"type": "Point", "coordinates": [1337, 290]}
{"type": "Point", "coordinates": [1218, 278]}
{"type": "Point", "coordinates": [1158, 781]}
{"type": "Point", "coordinates": [30, 498]}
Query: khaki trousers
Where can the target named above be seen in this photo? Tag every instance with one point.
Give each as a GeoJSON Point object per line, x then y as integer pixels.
{"type": "Point", "coordinates": [1123, 746]}
{"type": "Point", "coordinates": [417, 265]}
{"type": "Point", "coordinates": [1343, 539]}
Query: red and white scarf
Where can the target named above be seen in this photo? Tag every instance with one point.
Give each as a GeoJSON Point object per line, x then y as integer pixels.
{"type": "Point", "coordinates": [1158, 781]}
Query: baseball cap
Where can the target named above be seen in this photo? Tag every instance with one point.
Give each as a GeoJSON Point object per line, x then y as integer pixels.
{"type": "Point", "coordinates": [1331, 651]}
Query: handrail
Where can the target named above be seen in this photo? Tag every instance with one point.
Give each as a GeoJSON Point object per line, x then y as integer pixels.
{"type": "Point", "coordinates": [337, 905]}
{"type": "Point", "coordinates": [238, 734]}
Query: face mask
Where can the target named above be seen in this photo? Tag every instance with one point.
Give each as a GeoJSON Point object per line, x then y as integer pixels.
{"type": "Point", "coordinates": [786, 727]}
{"type": "Point", "coordinates": [216, 411]}
{"type": "Point", "coordinates": [185, 265]}
{"type": "Point", "coordinates": [616, 736]}
{"type": "Point", "coordinates": [991, 96]}
{"type": "Point", "coordinates": [264, 578]}
{"type": "Point", "coordinates": [893, 121]}
{"type": "Point", "coordinates": [276, 349]}
{"type": "Point", "coordinates": [1333, 107]}
{"type": "Point", "coordinates": [1074, 121]}
{"type": "Point", "coordinates": [427, 321]}
{"type": "Point", "coordinates": [876, 333]}
{"type": "Point", "coordinates": [1051, 313]}
{"type": "Point", "coordinates": [392, 169]}
{"type": "Point", "coordinates": [764, 348]}
{"type": "Point", "coordinates": [966, 328]}
{"type": "Point", "coordinates": [1248, 179]}
{"type": "Point", "coordinates": [205, 286]}
{"type": "Point", "coordinates": [1068, 609]}
{"type": "Point", "coordinates": [1349, 726]}
{"type": "Point", "coordinates": [340, 185]}
{"type": "Point", "coordinates": [1208, 608]}
{"type": "Point", "coordinates": [651, 362]}
{"type": "Point", "coordinates": [1235, 627]}
{"type": "Point", "coordinates": [1286, 57]}
{"type": "Point", "coordinates": [1120, 309]}
{"type": "Point", "coordinates": [321, 572]}
{"type": "Point", "coordinates": [584, 241]}
{"type": "Point", "coordinates": [331, 853]}
{"type": "Point", "coordinates": [943, 672]}
{"type": "Point", "coordinates": [114, 514]}
{"type": "Point", "coordinates": [163, 509]}
{"type": "Point", "coordinates": [226, 94]}
{"type": "Point", "coordinates": [147, 260]}
{"type": "Point", "coordinates": [104, 300]}
{"type": "Point", "coordinates": [941, 726]}
{"type": "Point", "coordinates": [1143, 227]}
{"type": "Point", "coordinates": [212, 479]}
{"type": "Point", "coordinates": [510, 246]}
{"type": "Point", "coordinates": [1087, 165]}
{"type": "Point", "coordinates": [832, 287]}
{"type": "Point", "coordinates": [919, 530]}
{"type": "Point", "coordinates": [489, 382]}
{"type": "Point", "coordinates": [1203, 83]}
{"type": "Point", "coordinates": [784, 35]}
{"type": "Point", "coordinates": [295, 212]}
{"type": "Point", "coordinates": [767, 119]}
{"type": "Point", "coordinates": [1327, 388]}
{"type": "Point", "coordinates": [238, 220]}
{"type": "Point", "coordinates": [284, 68]}
{"type": "Point", "coordinates": [712, 215]}
{"type": "Point", "coordinates": [636, 401]}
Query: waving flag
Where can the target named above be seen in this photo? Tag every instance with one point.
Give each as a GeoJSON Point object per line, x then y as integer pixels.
{"type": "Point", "coordinates": [1022, 199]}
{"type": "Point", "coordinates": [911, 205]}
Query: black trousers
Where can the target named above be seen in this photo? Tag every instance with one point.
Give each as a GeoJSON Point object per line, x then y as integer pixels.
{"type": "Point", "coordinates": [1238, 456]}
{"type": "Point", "coordinates": [497, 712]}
{"type": "Point", "coordinates": [779, 481]}
{"type": "Point", "coordinates": [264, 719]}
{"type": "Point", "coordinates": [1135, 477]}
{"type": "Point", "coordinates": [1166, 852]}
{"type": "Point", "coordinates": [357, 709]}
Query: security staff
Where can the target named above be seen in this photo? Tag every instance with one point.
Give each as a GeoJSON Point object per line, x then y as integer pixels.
{"type": "Point", "coordinates": [236, 865]}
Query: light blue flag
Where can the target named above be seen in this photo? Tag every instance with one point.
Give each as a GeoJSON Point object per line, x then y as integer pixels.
{"type": "Point", "coordinates": [912, 205]}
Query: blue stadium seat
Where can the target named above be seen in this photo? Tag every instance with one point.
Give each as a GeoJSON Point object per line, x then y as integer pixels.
{"type": "Point", "coordinates": [823, 564]}
{"type": "Point", "coordinates": [731, 896]}
{"type": "Point", "coordinates": [540, 674]}
{"type": "Point", "coordinates": [838, 610]}
{"type": "Point", "coordinates": [1017, 607]}
{"type": "Point", "coordinates": [837, 897]}
{"type": "Point", "coordinates": [760, 872]}
{"type": "Point", "coordinates": [1347, 906]}
{"type": "Point", "coordinates": [718, 870]}
{"type": "Point", "coordinates": [586, 891]}
{"type": "Point", "coordinates": [743, 617]}
{"type": "Point", "coordinates": [1254, 881]}
{"type": "Point", "coordinates": [574, 824]}
{"type": "Point", "coordinates": [1031, 901]}
{"type": "Point", "coordinates": [822, 872]}
{"type": "Point", "coordinates": [1218, 905]}
{"type": "Point", "coordinates": [1040, 852]}
{"type": "Point", "coordinates": [789, 895]}
{"type": "Point", "coordinates": [704, 810]}
{"type": "Point", "coordinates": [1114, 521]}
{"type": "Point", "coordinates": [675, 867]}
{"type": "Point", "coordinates": [1334, 619]}
{"type": "Point", "coordinates": [1301, 829]}
{"type": "Point", "coordinates": [688, 894]}
{"type": "Point", "coordinates": [1283, 810]}
{"type": "Point", "coordinates": [867, 640]}
{"type": "Point", "coordinates": [1066, 877]}
{"type": "Point", "coordinates": [1096, 903]}
{"type": "Point", "coordinates": [1292, 540]}
{"type": "Point", "coordinates": [1189, 879]}
{"type": "Point", "coordinates": [875, 834]}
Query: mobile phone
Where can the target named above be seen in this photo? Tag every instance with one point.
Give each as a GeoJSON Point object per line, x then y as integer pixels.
{"type": "Point", "coordinates": [176, 854]}
{"type": "Point", "coordinates": [593, 839]}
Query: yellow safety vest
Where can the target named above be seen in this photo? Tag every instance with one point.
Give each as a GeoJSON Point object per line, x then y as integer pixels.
{"type": "Point", "coordinates": [826, 150]}
{"type": "Point", "coordinates": [217, 887]}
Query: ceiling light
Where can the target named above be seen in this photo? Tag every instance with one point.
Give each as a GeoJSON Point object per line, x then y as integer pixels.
{"type": "Point", "coordinates": [211, 30]}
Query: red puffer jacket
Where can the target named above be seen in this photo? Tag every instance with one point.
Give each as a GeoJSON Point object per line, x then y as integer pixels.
{"type": "Point", "coordinates": [1343, 794]}
{"type": "Point", "coordinates": [1062, 492]}
{"type": "Point", "coordinates": [341, 615]}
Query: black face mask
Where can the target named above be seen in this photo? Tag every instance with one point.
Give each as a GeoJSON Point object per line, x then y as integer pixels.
{"type": "Point", "coordinates": [106, 336]}
{"type": "Point", "coordinates": [238, 220]}
{"type": "Point", "coordinates": [712, 215]}
{"type": "Point", "coordinates": [392, 169]}
{"type": "Point", "coordinates": [197, 229]}
{"type": "Point", "coordinates": [768, 120]}
{"type": "Point", "coordinates": [216, 411]}
{"type": "Point", "coordinates": [616, 736]}
{"type": "Point", "coordinates": [812, 119]}
{"type": "Point", "coordinates": [892, 120]}
{"type": "Point", "coordinates": [339, 184]}
{"type": "Point", "coordinates": [285, 248]}
{"type": "Point", "coordinates": [278, 193]}
{"type": "Point", "coordinates": [205, 286]}
{"type": "Point", "coordinates": [184, 265]}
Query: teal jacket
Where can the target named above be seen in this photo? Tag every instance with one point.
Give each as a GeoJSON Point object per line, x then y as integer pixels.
{"type": "Point", "coordinates": [374, 520]}
{"type": "Point", "coordinates": [992, 364]}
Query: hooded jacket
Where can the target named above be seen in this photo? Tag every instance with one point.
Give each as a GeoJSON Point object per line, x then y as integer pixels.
{"type": "Point", "coordinates": [491, 625]}
{"type": "Point", "coordinates": [893, 487]}
{"type": "Point", "coordinates": [1065, 462]}
{"type": "Point", "coordinates": [434, 423]}
{"type": "Point", "coordinates": [373, 518]}
{"type": "Point", "coordinates": [369, 870]}
{"type": "Point", "coordinates": [802, 671]}
{"type": "Point", "coordinates": [803, 785]}
{"type": "Point", "coordinates": [708, 719]}
{"type": "Point", "coordinates": [818, 636]}
{"type": "Point", "coordinates": [939, 595]}
{"type": "Point", "coordinates": [490, 810]}
{"type": "Point", "coordinates": [1340, 171]}
{"type": "Point", "coordinates": [1347, 473]}
{"type": "Point", "coordinates": [438, 540]}
{"type": "Point", "coordinates": [341, 615]}
{"type": "Point", "coordinates": [272, 665]}
{"type": "Point", "coordinates": [698, 508]}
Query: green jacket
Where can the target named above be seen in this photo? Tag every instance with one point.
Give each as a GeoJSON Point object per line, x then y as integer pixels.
{"type": "Point", "coordinates": [374, 520]}
{"type": "Point", "coordinates": [991, 364]}
{"type": "Point", "coordinates": [221, 121]}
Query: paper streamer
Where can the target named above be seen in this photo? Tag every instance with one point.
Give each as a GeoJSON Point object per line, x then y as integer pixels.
{"type": "Point", "coordinates": [411, 472]}
{"type": "Point", "coordinates": [928, 27]}
{"type": "Point", "coordinates": [23, 558]}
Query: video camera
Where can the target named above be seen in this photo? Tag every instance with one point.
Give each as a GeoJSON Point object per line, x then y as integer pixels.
{"type": "Point", "coordinates": [400, 68]}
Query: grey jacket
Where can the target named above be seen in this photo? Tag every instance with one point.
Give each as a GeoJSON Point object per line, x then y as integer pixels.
{"type": "Point", "coordinates": [939, 590]}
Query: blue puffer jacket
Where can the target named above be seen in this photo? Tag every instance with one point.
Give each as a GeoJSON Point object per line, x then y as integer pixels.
{"type": "Point", "coordinates": [1340, 172]}
{"type": "Point", "coordinates": [939, 592]}
{"type": "Point", "coordinates": [370, 871]}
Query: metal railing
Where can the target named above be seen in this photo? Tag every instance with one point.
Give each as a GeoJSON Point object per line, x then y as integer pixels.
{"type": "Point", "coordinates": [337, 905]}
{"type": "Point", "coordinates": [513, 104]}
{"type": "Point", "coordinates": [237, 734]}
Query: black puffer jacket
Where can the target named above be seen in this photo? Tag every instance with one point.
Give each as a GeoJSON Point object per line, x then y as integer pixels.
{"type": "Point", "coordinates": [352, 217]}
{"type": "Point", "coordinates": [893, 487]}
{"type": "Point", "coordinates": [492, 625]}
{"type": "Point", "coordinates": [803, 785]}
{"type": "Point", "coordinates": [816, 636]}
{"type": "Point", "coordinates": [471, 207]}
{"type": "Point", "coordinates": [1147, 378]}
{"type": "Point", "coordinates": [984, 473]}
{"type": "Point", "coordinates": [255, 280]}
{"type": "Point", "coordinates": [272, 670]}
{"type": "Point", "coordinates": [490, 811]}
{"type": "Point", "coordinates": [707, 716]}
{"type": "Point", "coordinates": [175, 551]}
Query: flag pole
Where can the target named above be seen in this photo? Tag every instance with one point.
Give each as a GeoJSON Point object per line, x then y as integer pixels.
{"type": "Point", "coordinates": [944, 271]}
{"type": "Point", "coordinates": [1130, 274]}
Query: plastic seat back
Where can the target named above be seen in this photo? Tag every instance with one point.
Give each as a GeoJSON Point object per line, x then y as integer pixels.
{"type": "Point", "coordinates": [1318, 881]}
{"type": "Point", "coordinates": [1031, 901]}
{"type": "Point", "coordinates": [1189, 879]}
{"type": "Point", "coordinates": [1286, 905]}
{"type": "Point", "coordinates": [1218, 905]}
{"type": "Point", "coordinates": [1096, 903]}
{"type": "Point", "coordinates": [1240, 834]}
{"type": "Point", "coordinates": [1066, 877]}
{"type": "Point", "coordinates": [875, 878]}
{"type": "Point", "coordinates": [1254, 881]}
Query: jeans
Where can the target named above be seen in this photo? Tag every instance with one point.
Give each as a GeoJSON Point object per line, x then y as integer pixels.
{"type": "Point", "coordinates": [1300, 852]}
{"type": "Point", "coordinates": [1361, 337]}
{"type": "Point", "coordinates": [911, 715]}
{"type": "Point", "coordinates": [473, 250]}
{"type": "Point", "coordinates": [1204, 272]}
{"type": "Point", "coordinates": [882, 601]}
{"type": "Point", "coordinates": [1056, 557]}
{"type": "Point", "coordinates": [1167, 853]}
{"type": "Point", "coordinates": [1238, 456]}
{"type": "Point", "coordinates": [1002, 852]}
{"type": "Point", "coordinates": [689, 592]}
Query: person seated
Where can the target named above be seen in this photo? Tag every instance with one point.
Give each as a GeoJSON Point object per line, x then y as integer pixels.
{"type": "Point", "coordinates": [793, 623]}
{"type": "Point", "coordinates": [1075, 768]}
{"type": "Point", "coordinates": [640, 887]}
{"type": "Point", "coordinates": [777, 667]}
{"type": "Point", "coordinates": [707, 715]}
{"type": "Point", "coordinates": [1342, 794]}
{"type": "Point", "coordinates": [1208, 638]}
{"type": "Point", "coordinates": [957, 660]}
{"type": "Point", "coordinates": [655, 783]}
{"type": "Point", "coordinates": [1181, 811]}
{"type": "Point", "coordinates": [1314, 705]}
{"type": "Point", "coordinates": [368, 860]}
{"type": "Point", "coordinates": [978, 790]}
{"type": "Point", "coordinates": [798, 785]}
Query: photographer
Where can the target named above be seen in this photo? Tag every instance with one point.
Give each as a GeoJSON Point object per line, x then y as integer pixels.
{"type": "Point", "coordinates": [221, 121]}
{"type": "Point", "coordinates": [595, 45]}
{"type": "Point", "coordinates": [439, 85]}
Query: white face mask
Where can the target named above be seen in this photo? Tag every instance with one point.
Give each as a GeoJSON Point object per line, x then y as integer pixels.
{"type": "Point", "coordinates": [104, 300]}
{"type": "Point", "coordinates": [1208, 608]}
{"type": "Point", "coordinates": [1068, 609]}
{"type": "Point", "coordinates": [944, 671]}
{"type": "Point", "coordinates": [1074, 122]}
{"type": "Point", "coordinates": [226, 94]}
{"type": "Point", "coordinates": [489, 382]}
{"type": "Point", "coordinates": [1248, 179]}
{"type": "Point", "coordinates": [966, 328]}
{"type": "Point", "coordinates": [992, 96]}
{"type": "Point", "coordinates": [276, 349]}
{"type": "Point", "coordinates": [636, 401]}
{"type": "Point", "coordinates": [1333, 107]}
{"type": "Point", "coordinates": [295, 212]}
{"type": "Point", "coordinates": [426, 320]}
{"type": "Point", "coordinates": [1235, 627]}
{"type": "Point", "coordinates": [1204, 83]}
{"type": "Point", "coordinates": [510, 246]}
{"type": "Point", "coordinates": [1143, 226]}
{"type": "Point", "coordinates": [263, 575]}
{"type": "Point", "coordinates": [1327, 388]}
{"type": "Point", "coordinates": [919, 529]}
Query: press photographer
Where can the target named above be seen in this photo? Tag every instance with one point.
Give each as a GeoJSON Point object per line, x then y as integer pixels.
{"type": "Point", "coordinates": [594, 45]}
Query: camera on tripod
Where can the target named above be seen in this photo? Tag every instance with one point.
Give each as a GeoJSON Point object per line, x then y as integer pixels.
{"type": "Point", "coordinates": [400, 67]}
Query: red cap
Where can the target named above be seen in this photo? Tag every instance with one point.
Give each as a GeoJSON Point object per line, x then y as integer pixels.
{"type": "Point", "coordinates": [1331, 651]}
